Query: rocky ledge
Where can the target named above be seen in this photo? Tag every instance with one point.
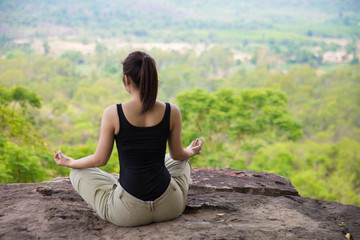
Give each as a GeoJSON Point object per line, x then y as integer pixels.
{"type": "Point", "coordinates": [222, 204]}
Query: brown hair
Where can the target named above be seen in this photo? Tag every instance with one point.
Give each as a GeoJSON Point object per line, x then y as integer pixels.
{"type": "Point", "coordinates": [141, 68]}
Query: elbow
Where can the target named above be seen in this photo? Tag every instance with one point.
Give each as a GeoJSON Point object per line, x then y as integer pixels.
{"type": "Point", "coordinates": [100, 161]}
{"type": "Point", "coordinates": [100, 165]}
{"type": "Point", "coordinates": [174, 156]}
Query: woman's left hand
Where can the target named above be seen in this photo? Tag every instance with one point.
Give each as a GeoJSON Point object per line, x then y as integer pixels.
{"type": "Point", "coordinates": [195, 147]}
{"type": "Point", "coordinates": [61, 159]}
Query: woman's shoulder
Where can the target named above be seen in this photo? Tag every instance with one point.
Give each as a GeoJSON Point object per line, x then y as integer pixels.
{"type": "Point", "coordinates": [110, 108]}
{"type": "Point", "coordinates": [110, 117]}
{"type": "Point", "coordinates": [174, 108]}
{"type": "Point", "coordinates": [111, 111]}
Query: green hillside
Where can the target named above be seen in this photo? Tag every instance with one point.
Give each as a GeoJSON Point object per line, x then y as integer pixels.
{"type": "Point", "coordinates": [178, 20]}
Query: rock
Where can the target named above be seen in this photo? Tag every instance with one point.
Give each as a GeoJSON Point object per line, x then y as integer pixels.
{"type": "Point", "coordinates": [246, 182]}
{"type": "Point", "coordinates": [222, 204]}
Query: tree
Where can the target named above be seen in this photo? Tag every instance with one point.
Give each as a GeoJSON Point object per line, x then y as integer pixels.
{"type": "Point", "coordinates": [12, 77]}
{"type": "Point", "coordinates": [227, 119]}
{"type": "Point", "coordinates": [74, 56]}
{"type": "Point", "coordinates": [100, 47]}
{"type": "Point", "coordinates": [329, 171]}
{"type": "Point", "coordinates": [23, 153]}
{"type": "Point", "coordinates": [217, 60]}
{"type": "Point", "coordinates": [46, 47]}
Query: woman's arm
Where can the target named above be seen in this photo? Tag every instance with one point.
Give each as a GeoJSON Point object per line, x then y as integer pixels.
{"type": "Point", "coordinates": [103, 150]}
{"type": "Point", "coordinates": [177, 151]}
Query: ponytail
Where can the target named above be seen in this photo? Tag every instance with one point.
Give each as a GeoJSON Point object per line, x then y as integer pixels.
{"type": "Point", "coordinates": [148, 83]}
{"type": "Point", "coordinates": [142, 70]}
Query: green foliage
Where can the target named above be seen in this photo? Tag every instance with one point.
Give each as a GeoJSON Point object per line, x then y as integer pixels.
{"type": "Point", "coordinates": [46, 47]}
{"type": "Point", "coordinates": [100, 48]}
{"type": "Point", "coordinates": [23, 97]}
{"type": "Point", "coordinates": [23, 153]}
{"type": "Point", "coordinates": [217, 60]}
{"type": "Point", "coordinates": [4, 40]}
{"type": "Point", "coordinates": [227, 118]}
{"type": "Point", "coordinates": [21, 163]}
{"type": "Point", "coordinates": [203, 22]}
{"type": "Point", "coordinates": [74, 56]}
{"type": "Point", "coordinates": [14, 54]}
{"type": "Point", "coordinates": [325, 171]}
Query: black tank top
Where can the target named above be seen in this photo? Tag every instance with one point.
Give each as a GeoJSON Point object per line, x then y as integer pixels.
{"type": "Point", "coordinates": [141, 155]}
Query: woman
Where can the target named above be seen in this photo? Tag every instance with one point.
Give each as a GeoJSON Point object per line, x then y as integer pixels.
{"type": "Point", "coordinates": [152, 187]}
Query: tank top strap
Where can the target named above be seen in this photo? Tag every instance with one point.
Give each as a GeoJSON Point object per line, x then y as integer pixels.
{"type": "Point", "coordinates": [167, 115]}
{"type": "Point", "coordinates": [122, 119]}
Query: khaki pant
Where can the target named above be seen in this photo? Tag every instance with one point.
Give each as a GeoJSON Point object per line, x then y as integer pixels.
{"type": "Point", "coordinates": [112, 203]}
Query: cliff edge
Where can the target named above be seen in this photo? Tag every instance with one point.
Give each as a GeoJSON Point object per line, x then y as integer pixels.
{"type": "Point", "coordinates": [222, 204]}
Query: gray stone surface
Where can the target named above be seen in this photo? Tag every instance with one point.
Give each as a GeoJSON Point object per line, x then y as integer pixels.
{"type": "Point", "coordinates": [261, 183]}
{"type": "Point", "coordinates": [222, 204]}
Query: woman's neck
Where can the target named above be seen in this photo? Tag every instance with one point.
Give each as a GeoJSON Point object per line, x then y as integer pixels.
{"type": "Point", "coordinates": [135, 97]}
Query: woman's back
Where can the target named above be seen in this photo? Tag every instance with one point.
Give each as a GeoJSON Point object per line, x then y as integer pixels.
{"type": "Point", "coordinates": [141, 150]}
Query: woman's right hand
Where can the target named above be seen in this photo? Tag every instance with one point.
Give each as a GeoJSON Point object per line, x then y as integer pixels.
{"type": "Point", "coordinates": [195, 147]}
{"type": "Point", "coordinates": [61, 159]}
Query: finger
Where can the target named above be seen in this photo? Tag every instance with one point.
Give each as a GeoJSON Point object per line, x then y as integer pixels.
{"type": "Point", "coordinates": [60, 153]}
{"type": "Point", "coordinates": [197, 148]}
